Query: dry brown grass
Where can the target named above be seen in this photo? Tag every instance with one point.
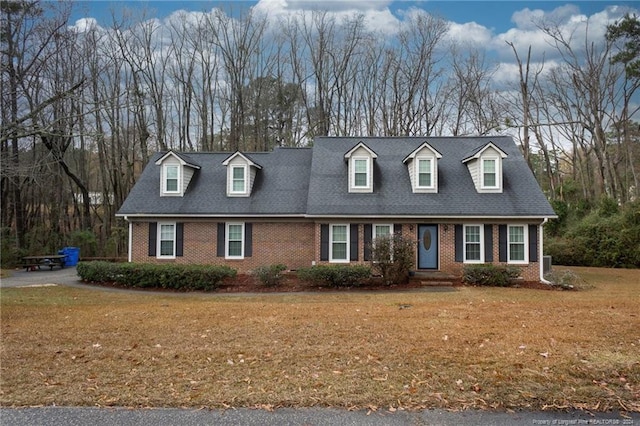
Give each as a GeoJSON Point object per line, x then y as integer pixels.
{"type": "Point", "coordinates": [486, 348]}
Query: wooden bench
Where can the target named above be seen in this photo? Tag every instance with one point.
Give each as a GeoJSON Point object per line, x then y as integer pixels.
{"type": "Point", "coordinates": [30, 263]}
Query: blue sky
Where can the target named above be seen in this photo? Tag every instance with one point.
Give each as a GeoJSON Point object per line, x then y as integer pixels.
{"type": "Point", "coordinates": [494, 15]}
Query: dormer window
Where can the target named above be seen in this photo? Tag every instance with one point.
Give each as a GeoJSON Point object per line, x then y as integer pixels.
{"type": "Point", "coordinates": [422, 165]}
{"type": "Point", "coordinates": [489, 173]}
{"type": "Point", "coordinates": [424, 168]}
{"type": "Point", "coordinates": [361, 173]}
{"type": "Point", "coordinates": [360, 163]}
{"type": "Point", "coordinates": [238, 176]}
{"type": "Point", "coordinates": [485, 167]}
{"type": "Point", "coordinates": [175, 174]}
{"type": "Point", "coordinates": [241, 174]}
{"type": "Point", "coordinates": [171, 178]}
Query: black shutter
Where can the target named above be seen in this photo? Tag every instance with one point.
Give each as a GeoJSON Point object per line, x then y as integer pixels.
{"type": "Point", "coordinates": [502, 231]}
{"type": "Point", "coordinates": [220, 248]}
{"type": "Point", "coordinates": [153, 238]}
{"type": "Point", "coordinates": [397, 229]}
{"type": "Point", "coordinates": [459, 257]}
{"type": "Point", "coordinates": [488, 243]}
{"type": "Point", "coordinates": [248, 239]}
{"type": "Point", "coordinates": [353, 241]}
{"type": "Point", "coordinates": [533, 243]}
{"type": "Point", "coordinates": [179, 238]}
{"type": "Point", "coordinates": [324, 242]}
{"type": "Point", "coordinates": [368, 237]}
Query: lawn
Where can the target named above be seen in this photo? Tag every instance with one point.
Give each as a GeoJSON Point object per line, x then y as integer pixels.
{"type": "Point", "coordinates": [482, 348]}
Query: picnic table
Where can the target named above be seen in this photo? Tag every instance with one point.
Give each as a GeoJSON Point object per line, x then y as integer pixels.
{"type": "Point", "coordinates": [30, 263]}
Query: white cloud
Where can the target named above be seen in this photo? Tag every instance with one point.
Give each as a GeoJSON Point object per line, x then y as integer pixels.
{"type": "Point", "coordinates": [85, 24]}
{"type": "Point", "coordinates": [469, 33]}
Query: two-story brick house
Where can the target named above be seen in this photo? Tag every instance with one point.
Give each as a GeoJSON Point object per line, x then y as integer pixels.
{"type": "Point", "coordinates": [463, 199]}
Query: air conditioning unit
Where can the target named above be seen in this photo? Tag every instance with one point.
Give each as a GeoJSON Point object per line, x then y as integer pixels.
{"type": "Point", "coordinates": [546, 264]}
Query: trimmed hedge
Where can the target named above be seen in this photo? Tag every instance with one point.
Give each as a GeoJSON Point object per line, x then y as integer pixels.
{"type": "Point", "coordinates": [490, 275]}
{"type": "Point", "coordinates": [336, 275]}
{"type": "Point", "coordinates": [142, 275]}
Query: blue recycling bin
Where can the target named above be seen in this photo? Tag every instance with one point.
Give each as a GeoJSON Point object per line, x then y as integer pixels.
{"type": "Point", "coordinates": [73, 255]}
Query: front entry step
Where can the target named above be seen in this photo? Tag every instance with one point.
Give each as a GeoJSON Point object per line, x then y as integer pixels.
{"type": "Point", "coordinates": [434, 278]}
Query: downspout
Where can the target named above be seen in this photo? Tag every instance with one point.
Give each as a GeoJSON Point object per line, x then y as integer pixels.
{"type": "Point", "coordinates": [541, 251]}
{"type": "Point", "coordinates": [130, 242]}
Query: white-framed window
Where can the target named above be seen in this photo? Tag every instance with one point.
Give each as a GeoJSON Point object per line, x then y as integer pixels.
{"type": "Point", "coordinates": [517, 250]}
{"type": "Point", "coordinates": [166, 240]}
{"type": "Point", "coordinates": [238, 179]}
{"type": "Point", "coordinates": [473, 244]}
{"type": "Point", "coordinates": [171, 178]}
{"type": "Point", "coordinates": [383, 231]}
{"type": "Point", "coordinates": [489, 173]}
{"type": "Point", "coordinates": [234, 240]}
{"type": "Point", "coordinates": [360, 174]}
{"type": "Point", "coordinates": [424, 173]}
{"type": "Point", "coordinates": [339, 243]}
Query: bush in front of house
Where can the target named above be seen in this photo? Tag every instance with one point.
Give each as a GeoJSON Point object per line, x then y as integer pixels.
{"type": "Point", "coordinates": [270, 276]}
{"type": "Point", "coordinates": [335, 275]}
{"type": "Point", "coordinates": [143, 275]}
{"type": "Point", "coordinates": [490, 275]}
{"type": "Point", "coordinates": [393, 257]}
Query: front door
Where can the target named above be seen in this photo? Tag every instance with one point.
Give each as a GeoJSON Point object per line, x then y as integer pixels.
{"type": "Point", "coordinates": [427, 246]}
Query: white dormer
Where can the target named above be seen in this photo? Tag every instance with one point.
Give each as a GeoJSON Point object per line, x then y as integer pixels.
{"type": "Point", "coordinates": [485, 167]}
{"type": "Point", "coordinates": [422, 165]}
{"type": "Point", "coordinates": [241, 173]}
{"type": "Point", "coordinates": [175, 174]}
{"type": "Point", "coordinates": [360, 159]}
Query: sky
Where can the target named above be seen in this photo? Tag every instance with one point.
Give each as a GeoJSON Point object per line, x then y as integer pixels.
{"type": "Point", "coordinates": [496, 16]}
{"type": "Point", "coordinates": [485, 24]}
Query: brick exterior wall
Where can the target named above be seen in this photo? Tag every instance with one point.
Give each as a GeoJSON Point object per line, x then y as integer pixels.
{"type": "Point", "coordinates": [273, 242]}
{"type": "Point", "coordinates": [297, 245]}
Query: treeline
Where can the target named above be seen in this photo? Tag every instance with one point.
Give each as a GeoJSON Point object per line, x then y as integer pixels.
{"type": "Point", "coordinates": [83, 108]}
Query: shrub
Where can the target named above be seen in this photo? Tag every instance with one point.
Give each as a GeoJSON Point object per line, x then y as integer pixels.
{"type": "Point", "coordinates": [86, 242]}
{"type": "Point", "coordinates": [270, 276]}
{"type": "Point", "coordinates": [567, 280]}
{"type": "Point", "coordinates": [393, 257]}
{"type": "Point", "coordinates": [335, 275]}
{"type": "Point", "coordinates": [138, 275]}
{"type": "Point", "coordinates": [490, 275]}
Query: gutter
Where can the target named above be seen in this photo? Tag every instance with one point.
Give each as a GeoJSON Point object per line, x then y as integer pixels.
{"type": "Point", "coordinates": [130, 239]}
{"type": "Point", "coordinates": [541, 251]}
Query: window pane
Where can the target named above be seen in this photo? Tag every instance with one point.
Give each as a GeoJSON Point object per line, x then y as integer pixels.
{"type": "Point", "coordinates": [360, 170]}
{"type": "Point", "coordinates": [517, 252]}
{"type": "Point", "coordinates": [166, 232]}
{"type": "Point", "coordinates": [238, 179]}
{"type": "Point", "coordinates": [166, 240]}
{"type": "Point", "coordinates": [472, 234]}
{"type": "Point", "coordinates": [472, 242]}
{"type": "Point", "coordinates": [339, 242]}
{"type": "Point", "coordinates": [516, 243]}
{"type": "Point", "coordinates": [516, 234]}
{"type": "Point", "coordinates": [473, 251]}
{"type": "Point", "coordinates": [382, 231]}
{"type": "Point", "coordinates": [235, 248]}
{"type": "Point", "coordinates": [424, 179]}
{"type": "Point", "coordinates": [340, 233]}
{"type": "Point", "coordinates": [489, 175]}
{"type": "Point", "coordinates": [171, 176]}
{"type": "Point", "coordinates": [235, 240]}
{"type": "Point", "coordinates": [235, 232]}
{"type": "Point", "coordinates": [339, 251]}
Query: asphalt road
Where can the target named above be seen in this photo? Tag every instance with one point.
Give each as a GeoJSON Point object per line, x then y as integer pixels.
{"type": "Point", "coordinates": [81, 416]}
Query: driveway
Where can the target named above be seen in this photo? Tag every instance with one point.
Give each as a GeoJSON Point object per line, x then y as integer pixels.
{"type": "Point", "coordinates": [22, 278]}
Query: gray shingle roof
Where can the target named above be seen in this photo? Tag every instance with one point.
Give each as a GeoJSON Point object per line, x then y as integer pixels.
{"type": "Point", "coordinates": [313, 181]}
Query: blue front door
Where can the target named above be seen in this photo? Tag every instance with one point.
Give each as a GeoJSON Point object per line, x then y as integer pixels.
{"type": "Point", "coordinates": [427, 246]}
